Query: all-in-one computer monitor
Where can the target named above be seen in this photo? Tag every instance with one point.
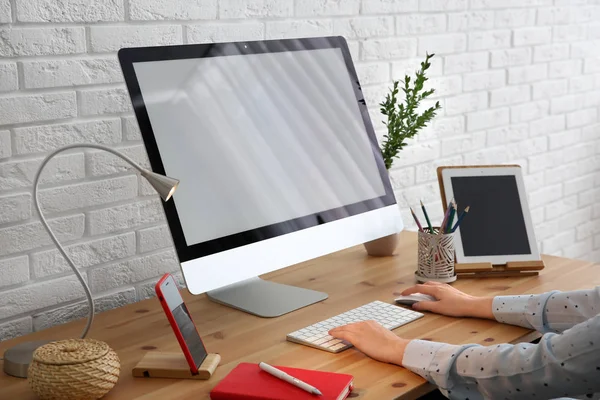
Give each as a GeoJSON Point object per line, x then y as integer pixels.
{"type": "Point", "coordinates": [276, 155]}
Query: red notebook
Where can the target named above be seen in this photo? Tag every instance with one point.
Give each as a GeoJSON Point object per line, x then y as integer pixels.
{"type": "Point", "coordinates": [248, 382]}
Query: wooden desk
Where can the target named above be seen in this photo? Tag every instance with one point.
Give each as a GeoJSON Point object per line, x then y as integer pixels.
{"type": "Point", "coordinates": [351, 278]}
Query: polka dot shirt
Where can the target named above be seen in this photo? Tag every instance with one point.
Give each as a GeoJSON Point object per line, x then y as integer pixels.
{"type": "Point", "coordinates": [564, 364]}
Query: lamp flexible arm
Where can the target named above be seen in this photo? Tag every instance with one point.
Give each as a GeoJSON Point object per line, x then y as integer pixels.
{"type": "Point", "coordinates": [86, 288]}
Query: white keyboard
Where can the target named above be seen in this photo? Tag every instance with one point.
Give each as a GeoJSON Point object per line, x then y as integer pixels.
{"type": "Point", "coordinates": [388, 315]}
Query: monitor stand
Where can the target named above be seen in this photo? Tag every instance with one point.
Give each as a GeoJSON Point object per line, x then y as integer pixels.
{"type": "Point", "coordinates": [264, 298]}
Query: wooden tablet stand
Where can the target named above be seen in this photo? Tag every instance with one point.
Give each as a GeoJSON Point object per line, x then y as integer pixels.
{"type": "Point", "coordinates": [156, 364]}
{"type": "Point", "coordinates": [486, 269]}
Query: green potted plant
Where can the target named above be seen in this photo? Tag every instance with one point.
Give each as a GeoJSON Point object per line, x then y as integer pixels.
{"type": "Point", "coordinates": [404, 121]}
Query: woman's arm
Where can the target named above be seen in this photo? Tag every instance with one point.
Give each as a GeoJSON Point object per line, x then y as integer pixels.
{"type": "Point", "coordinates": [566, 364]}
{"type": "Point", "coordinates": [548, 312]}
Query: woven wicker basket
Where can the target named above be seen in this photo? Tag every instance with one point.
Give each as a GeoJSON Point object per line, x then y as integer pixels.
{"type": "Point", "coordinates": [79, 369]}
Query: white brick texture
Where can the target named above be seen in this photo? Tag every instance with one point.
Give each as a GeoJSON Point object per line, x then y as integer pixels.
{"type": "Point", "coordinates": [488, 40]}
{"type": "Point", "coordinates": [104, 101]}
{"type": "Point", "coordinates": [88, 194]}
{"type": "Point", "coordinates": [306, 28]}
{"type": "Point", "coordinates": [519, 82]}
{"type": "Point", "coordinates": [84, 255]}
{"type": "Point", "coordinates": [37, 107]}
{"type": "Point", "coordinates": [5, 144]}
{"type": "Point", "coordinates": [5, 12]}
{"type": "Point", "coordinates": [385, 6]}
{"type": "Point", "coordinates": [420, 24]}
{"type": "Point", "coordinates": [125, 216]}
{"type": "Point", "coordinates": [459, 63]}
{"type": "Point", "coordinates": [225, 32]}
{"type": "Point", "coordinates": [364, 27]}
{"type": "Point", "coordinates": [41, 41]}
{"type": "Point", "coordinates": [255, 8]}
{"type": "Point", "coordinates": [443, 44]}
{"type": "Point", "coordinates": [17, 173]}
{"type": "Point", "coordinates": [9, 80]}
{"type": "Point", "coordinates": [327, 7]}
{"type": "Point", "coordinates": [112, 38]}
{"type": "Point", "coordinates": [532, 35]}
{"type": "Point", "coordinates": [127, 273]}
{"type": "Point", "coordinates": [27, 299]}
{"type": "Point", "coordinates": [14, 271]}
{"type": "Point", "coordinates": [154, 238]}
{"type": "Point", "coordinates": [56, 73]}
{"type": "Point", "coordinates": [16, 207]}
{"type": "Point", "coordinates": [16, 327]}
{"type": "Point", "coordinates": [104, 163]}
{"type": "Point", "coordinates": [22, 238]}
{"type": "Point", "coordinates": [43, 138]}
{"type": "Point", "coordinates": [131, 130]}
{"type": "Point", "coordinates": [510, 57]}
{"type": "Point", "coordinates": [381, 49]}
{"type": "Point", "coordinates": [144, 10]}
{"type": "Point", "coordinates": [70, 11]}
{"type": "Point", "coordinates": [79, 310]}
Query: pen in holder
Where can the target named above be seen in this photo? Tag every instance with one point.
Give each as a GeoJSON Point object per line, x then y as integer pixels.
{"type": "Point", "coordinates": [435, 257]}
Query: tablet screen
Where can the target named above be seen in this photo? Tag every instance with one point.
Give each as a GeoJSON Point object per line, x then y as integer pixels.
{"type": "Point", "coordinates": [495, 225]}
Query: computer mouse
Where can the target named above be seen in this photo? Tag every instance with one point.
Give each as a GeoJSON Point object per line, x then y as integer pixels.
{"type": "Point", "coordinates": [411, 299]}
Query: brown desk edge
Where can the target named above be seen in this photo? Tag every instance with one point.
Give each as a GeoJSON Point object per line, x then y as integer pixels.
{"type": "Point", "coordinates": [351, 278]}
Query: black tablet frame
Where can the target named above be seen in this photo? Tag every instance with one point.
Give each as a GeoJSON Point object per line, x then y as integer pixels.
{"type": "Point", "coordinates": [185, 251]}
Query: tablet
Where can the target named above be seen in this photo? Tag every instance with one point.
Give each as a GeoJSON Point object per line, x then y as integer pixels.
{"type": "Point", "coordinates": [498, 227]}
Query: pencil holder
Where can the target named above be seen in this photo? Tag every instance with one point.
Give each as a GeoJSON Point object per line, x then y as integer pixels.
{"type": "Point", "coordinates": [435, 257]}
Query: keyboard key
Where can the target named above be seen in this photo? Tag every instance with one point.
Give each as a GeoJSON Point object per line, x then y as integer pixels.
{"type": "Point", "coordinates": [313, 339]}
{"type": "Point", "coordinates": [338, 346]}
{"type": "Point", "coordinates": [331, 343]}
{"type": "Point", "coordinates": [320, 341]}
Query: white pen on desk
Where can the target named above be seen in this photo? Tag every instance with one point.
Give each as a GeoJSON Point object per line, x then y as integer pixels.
{"type": "Point", "coordinates": [277, 373]}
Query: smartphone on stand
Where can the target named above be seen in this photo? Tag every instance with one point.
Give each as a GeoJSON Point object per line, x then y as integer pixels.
{"type": "Point", "coordinates": [181, 322]}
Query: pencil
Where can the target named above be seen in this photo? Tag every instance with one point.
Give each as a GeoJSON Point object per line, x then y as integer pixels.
{"type": "Point", "coordinates": [460, 218]}
{"type": "Point", "coordinates": [426, 217]}
{"type": "Point", "coordinates": [446, 214]}
{"type": "Point", "coordinates": [450, 218]}
{"type": "Point", "coordinates": [416, 219]}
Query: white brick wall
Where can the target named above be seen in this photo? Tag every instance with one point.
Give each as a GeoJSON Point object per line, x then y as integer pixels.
{"type": "Point", "coordinates": [41, 41]}
{"type": "Point", "coordinates": [20, 108]}
{"type": "Point", "coordinates": [519, 82]}
{"type": "Point", "coordinates": [56, 73]}
{"type": "Point", "coordinates": [71, 11]}
{"type": "Point", "coordinates": [8, 72]}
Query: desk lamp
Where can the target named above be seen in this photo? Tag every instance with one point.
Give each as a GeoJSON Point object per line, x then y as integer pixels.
{"type": "Point", "coordinates": [18, 358]}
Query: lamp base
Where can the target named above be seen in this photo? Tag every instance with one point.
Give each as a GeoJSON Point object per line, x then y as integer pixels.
{"type": "Point", "coordinates": [18, 358]}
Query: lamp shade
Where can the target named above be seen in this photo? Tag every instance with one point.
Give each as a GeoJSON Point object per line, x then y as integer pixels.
{"type": "Point", "coordinates": [164, 185]}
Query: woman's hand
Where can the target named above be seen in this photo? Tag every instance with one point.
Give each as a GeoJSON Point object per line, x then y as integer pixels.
{"type": "Point", "coordinates": [451, 301]}
{"type": "Point", "coordinates": [374, 340]}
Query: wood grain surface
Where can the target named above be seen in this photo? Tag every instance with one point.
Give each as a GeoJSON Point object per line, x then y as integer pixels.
{"type": "Point", "coordinates": [351, 278]}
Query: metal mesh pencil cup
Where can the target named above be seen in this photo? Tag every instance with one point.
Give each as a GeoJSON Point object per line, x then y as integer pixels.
{"type": "Point", "coordinates": [435, 257]}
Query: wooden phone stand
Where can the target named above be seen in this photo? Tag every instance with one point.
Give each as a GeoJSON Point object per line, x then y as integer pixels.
{"type": "Point", "coordinates": [156, 364]}
{"type": "Point", "coordinates": [486, 269]}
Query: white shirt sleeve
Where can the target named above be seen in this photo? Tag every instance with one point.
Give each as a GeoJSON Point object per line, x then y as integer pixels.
{"type": "Point", "coordinates": [560, 365]}
{"type": "Point", "coordinates": [548, 312]}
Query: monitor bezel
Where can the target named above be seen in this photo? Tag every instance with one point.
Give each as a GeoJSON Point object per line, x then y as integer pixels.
{"type": "Point", "coordinates": [129, 56]}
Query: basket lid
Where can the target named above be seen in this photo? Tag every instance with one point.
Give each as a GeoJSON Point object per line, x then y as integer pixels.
{"type": "Point", "coordinates": [70, 351]}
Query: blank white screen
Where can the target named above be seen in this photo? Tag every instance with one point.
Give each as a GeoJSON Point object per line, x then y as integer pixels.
{"type": "Point", "coordinates": [258, 139]}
